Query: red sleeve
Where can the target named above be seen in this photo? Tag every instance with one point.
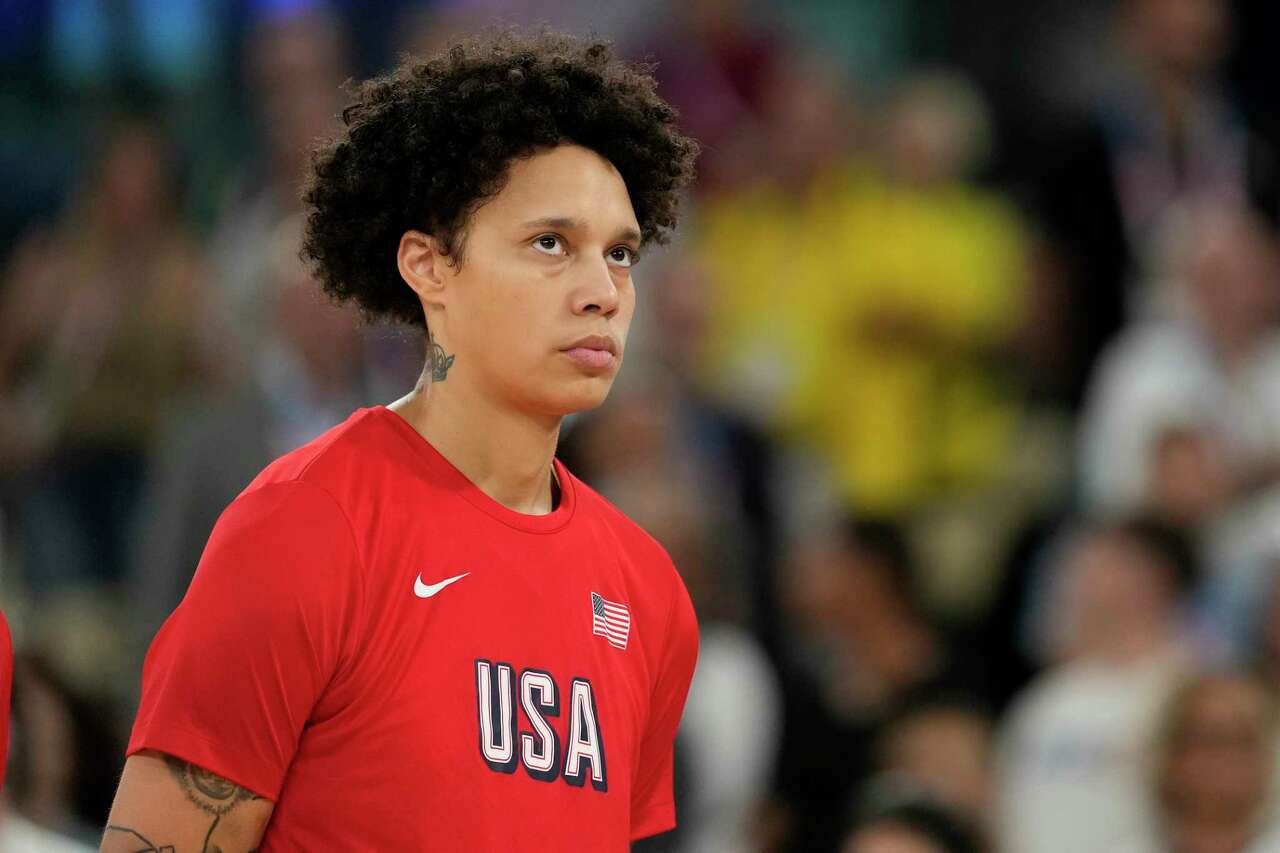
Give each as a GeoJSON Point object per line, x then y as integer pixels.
{"type": "Point", "coordinates": [6, 688]}
{"type": "Point", "coordinates": [232, 676]}
{"type": "Point", "coordinates": [652, 803]}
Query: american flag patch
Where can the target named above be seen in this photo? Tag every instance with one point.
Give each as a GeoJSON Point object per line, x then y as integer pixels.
{"type": "Point", "coordinates": [610, 620]}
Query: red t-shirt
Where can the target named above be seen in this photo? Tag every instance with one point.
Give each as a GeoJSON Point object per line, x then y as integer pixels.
{"type": "Point", "coordinates": [401, 663]}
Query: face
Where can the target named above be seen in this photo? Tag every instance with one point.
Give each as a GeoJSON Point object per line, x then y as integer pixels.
{"type": "Point", "coordinates": [840, 588]}
{"type": "Point", "coordinates": [537, 312]}
{"type": "Point", "coordinates": [1233, 276]}
{"type": "Point", "coordinates": [1190, 478]}
{"type": "Point", "coordinates": [1221, 763]}
{"type": "Point", "coordinates": [889, 838]}
{"type": "Point", "coordinates": [1188, 35]}
{"type": "Point", "coordinates": [1116, 591]}
{"type": "Point", "coordinates": [947, 752]}
{"type": "Point", "coordinates": [134, 182]}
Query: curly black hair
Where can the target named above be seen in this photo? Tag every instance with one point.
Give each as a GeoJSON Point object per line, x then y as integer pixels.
{"type": "Point", "coordinates": [427, 144]}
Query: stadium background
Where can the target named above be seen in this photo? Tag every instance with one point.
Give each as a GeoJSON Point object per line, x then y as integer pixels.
{"type": "Point", "coordinates": [956, 398]}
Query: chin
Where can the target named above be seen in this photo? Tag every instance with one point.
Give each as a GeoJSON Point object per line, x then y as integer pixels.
{"type": "Point", "coordinates": [577, 397]}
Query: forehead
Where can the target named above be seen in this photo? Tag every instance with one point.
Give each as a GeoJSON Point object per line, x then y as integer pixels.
{"type": "Point", "coordinates": [568, 181]}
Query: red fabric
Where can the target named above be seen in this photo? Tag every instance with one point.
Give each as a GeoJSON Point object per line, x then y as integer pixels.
{"type": "Point", "coordinates": [6, 693]}
{"type": "Point", "coordinates": [303, 664]}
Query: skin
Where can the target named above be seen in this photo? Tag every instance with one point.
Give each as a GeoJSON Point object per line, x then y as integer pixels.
{"type": "Point", "coordinates": [546, 262]}
{"type": "Point", "coordinates": [888, 838]}
{"type": "Point", "coordinates": [166, 805]}
{"type": "Point", "coordinates": [1217, 778]}
{"type": "Point", "coordinates": [947, 752]}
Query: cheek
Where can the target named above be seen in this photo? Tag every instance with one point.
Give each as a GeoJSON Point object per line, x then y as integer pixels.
{"type": "Point", "coordinates": [500, 311]}
{"type": "Point", "coordinates": [621, 322]}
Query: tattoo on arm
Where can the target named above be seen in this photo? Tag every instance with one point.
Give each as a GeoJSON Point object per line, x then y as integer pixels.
{"type": "Point", "coordinates": [147, 845]}
{"type": "Point", "coordinates": [438, 361]}
{"type": "Point", "coordinates": [208, 792]}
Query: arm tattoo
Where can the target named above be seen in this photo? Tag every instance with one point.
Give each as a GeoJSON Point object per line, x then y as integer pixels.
{"type": "Point", "coordinates": [147, 845]}
{"type": "Point", "coordinates": [208, 792]}
{"type": "Point", "coordinates": [438, 361]}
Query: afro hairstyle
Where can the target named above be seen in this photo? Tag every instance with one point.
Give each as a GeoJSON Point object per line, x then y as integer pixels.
{"type": "Point", "coordinates": [426, 145]}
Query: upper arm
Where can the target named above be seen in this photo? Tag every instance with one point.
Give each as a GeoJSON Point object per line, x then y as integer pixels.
{"type": "Point", "coordinates": [168, 805]}
{"type": "Point", "coordinates": [235, 674]}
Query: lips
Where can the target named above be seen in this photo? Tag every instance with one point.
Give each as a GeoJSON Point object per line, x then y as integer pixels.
{"type": "Point", "coordinates": [595, 352]}
{"type": "Point", "coordinates": [596, 342]}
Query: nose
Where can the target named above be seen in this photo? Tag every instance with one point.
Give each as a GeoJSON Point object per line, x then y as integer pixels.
{"type": "Point", "coordinates": [596, 292]}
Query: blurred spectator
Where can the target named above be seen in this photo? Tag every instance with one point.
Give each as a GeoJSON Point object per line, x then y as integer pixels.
{"type": "Point", "coordinates": [914, 401]}
{"type": "Point", "coordinates": [716, 59]}
{"type": "Point", "coordinates": [1156, 133]}
{"type": "Point", "coordinates": [1186, 412]}
{"type": "Point", "coordinates": [172, 44]}
{"type": "Point", "coordinates": [771, 239]}
{"type": "Point", "coordinates": [1169, 130]}
{"type": "Point", "coordinates": [308, 372]}
{"type": "Point", "coordinates": [64, 762]}
{"type": "Point", "coordinates": [1214, 764]}
{"type": "Point", "coordinates": [885, 347]}
{"type": "Point", "coordinates": [19, 835]}
{"type": "Point", "coordinates": [1070, 766]}
{"type": "Point", "coordinates": [294, 66]}
{"type": "Point", "coordinates": [943, 749]}
{"type": "Point", "coordinates": [911, 826]}
{"type": "Point", "coordinates": [872, 651]}
{"type": "Point", "coordinates": [1264, 628]}
{"type": "Point", "coordinates": [104, 322]}
{"type": "Point", "coordinates": [1183, 418]}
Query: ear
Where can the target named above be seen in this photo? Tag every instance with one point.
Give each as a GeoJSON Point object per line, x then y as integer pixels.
{"type": "Point", "coordinates": [423, 266]}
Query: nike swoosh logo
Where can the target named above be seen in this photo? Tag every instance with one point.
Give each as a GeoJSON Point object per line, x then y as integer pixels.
{"type": "Point", "coordinates": [426, 590]}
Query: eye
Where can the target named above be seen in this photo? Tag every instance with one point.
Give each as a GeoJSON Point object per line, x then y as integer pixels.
{"type": "Point", "coordinates": [623, 256]}
{"type": "Point", "coordinates": [549, 244]}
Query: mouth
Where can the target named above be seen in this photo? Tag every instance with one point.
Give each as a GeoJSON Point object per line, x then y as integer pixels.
{"type": "Point", "coordinates": [595, 352]}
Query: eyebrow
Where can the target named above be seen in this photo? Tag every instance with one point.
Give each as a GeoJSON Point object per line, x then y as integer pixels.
{"type": "Point", "coordinates": [569, 224]}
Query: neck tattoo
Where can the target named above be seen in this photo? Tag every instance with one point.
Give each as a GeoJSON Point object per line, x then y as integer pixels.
{"type": "Point", "coordinates": [438, 361]}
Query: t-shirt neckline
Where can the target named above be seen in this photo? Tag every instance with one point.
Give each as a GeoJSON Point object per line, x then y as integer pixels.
{"type": "Point", "coordinates": [474, 495]}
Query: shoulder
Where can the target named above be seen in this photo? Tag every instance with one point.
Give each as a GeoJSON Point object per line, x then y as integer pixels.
{"type": "Point", "coordinates": [330, 459]}
{"type": "Point", "coordinates": [303, 502]}
{"type": "Point", "coordinates": [1153, 363]}
{"type": "Point", "coordinates": [653, 581]}
{"type": "Point", "coordinates": [1044, 699]}
{"type": "Point", "coordinates": [635, 541]}
{"type": "Point", "coordinates": [1150, 345]}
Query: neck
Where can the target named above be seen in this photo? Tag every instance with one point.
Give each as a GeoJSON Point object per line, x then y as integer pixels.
{"type": "Point", "coordinates": [507, 454]}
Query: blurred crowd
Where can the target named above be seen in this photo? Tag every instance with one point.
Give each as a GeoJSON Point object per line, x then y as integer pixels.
{"type": "Point", "coordinates": [956, 399]}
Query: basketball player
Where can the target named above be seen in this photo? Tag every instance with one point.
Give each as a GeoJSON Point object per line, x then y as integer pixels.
{"type": "Point", "coordinates": [419, 631]}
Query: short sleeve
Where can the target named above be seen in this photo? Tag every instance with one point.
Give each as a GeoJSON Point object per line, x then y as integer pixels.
{"type": "Point", "coordinates": [231, 678]}
{"type": "Point", "coordinates": [652, 802]}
